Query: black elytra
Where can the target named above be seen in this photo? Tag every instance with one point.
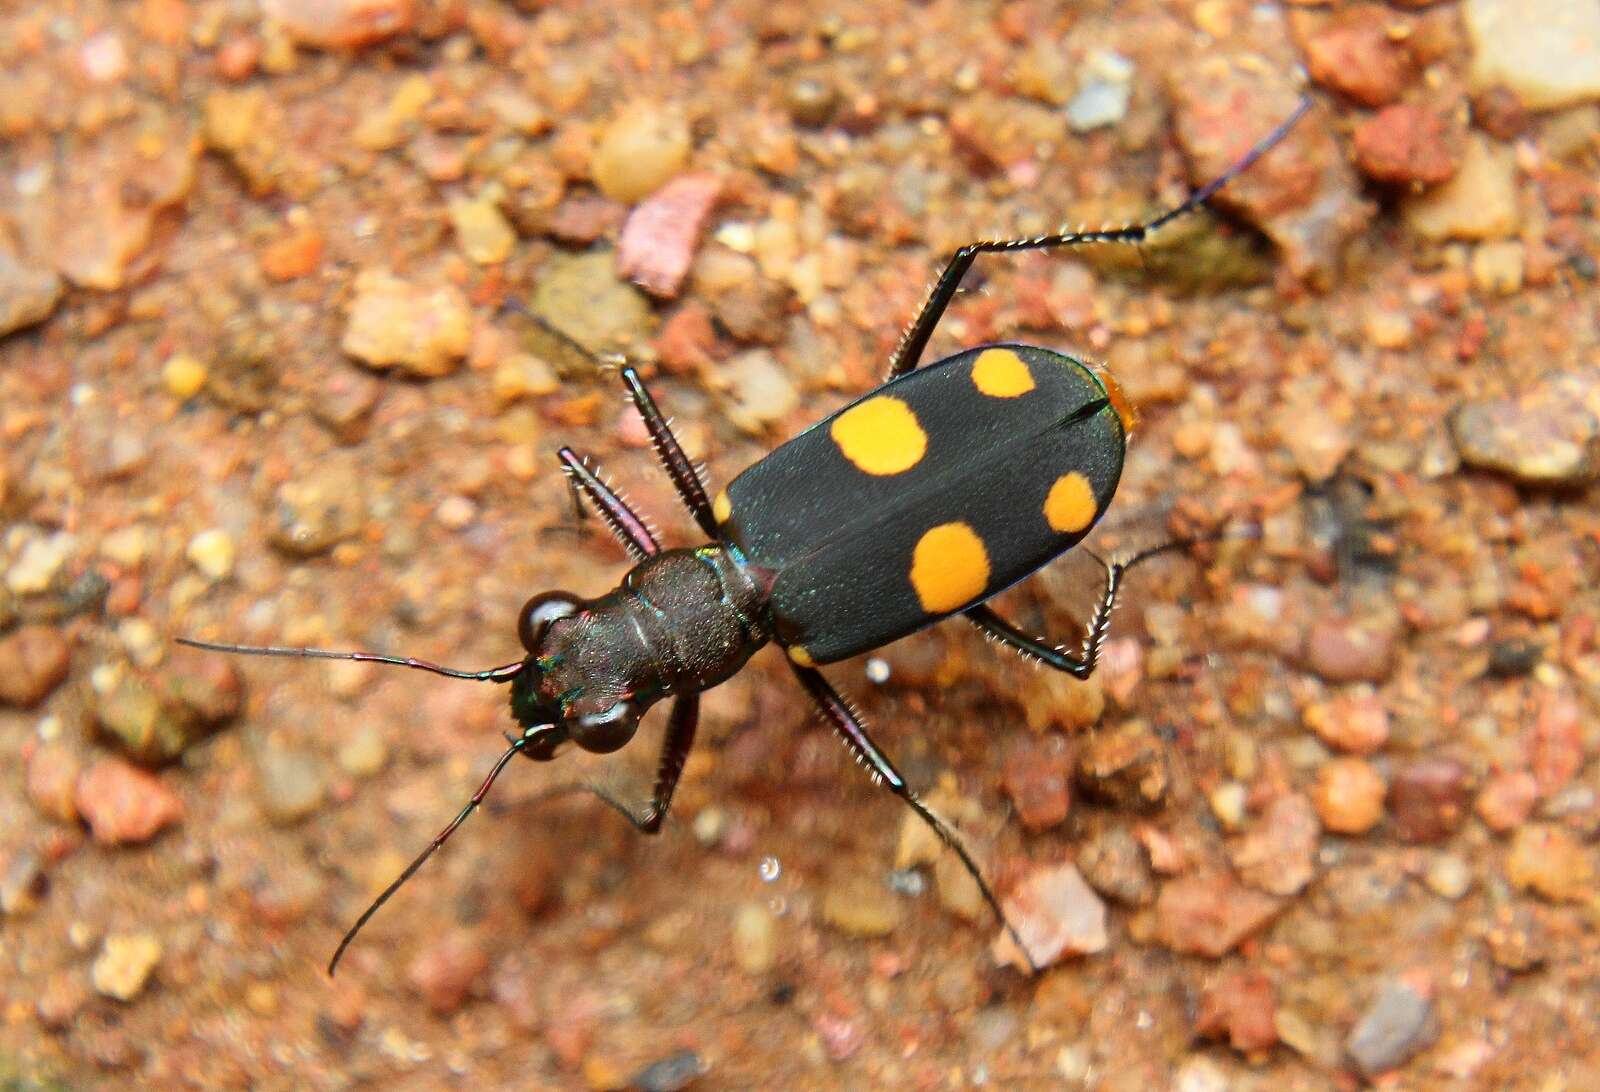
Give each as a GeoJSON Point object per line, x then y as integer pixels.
{"type": "Point", "coordinates": [920, 500]}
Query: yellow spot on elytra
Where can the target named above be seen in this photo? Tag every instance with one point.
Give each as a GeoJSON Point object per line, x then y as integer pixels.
{"type": "Point", "coordinates": [799, 655]}
{"type": "Point", "coordinates": [722, 507]}
{"type": "Point", "coordinates": [949, 567]}
{"type": "Point", "coordinates": [1070, 507]}
{"type": "Point", "coordinates": [880, 436]}
{"type": "Point", "coordinates": [1001, 373]}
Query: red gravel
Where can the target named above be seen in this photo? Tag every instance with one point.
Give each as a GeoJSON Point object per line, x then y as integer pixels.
{"type": "Point", "coordinates": [123, 803]}
{"type": "Point", "coordinates": [1408, 143]}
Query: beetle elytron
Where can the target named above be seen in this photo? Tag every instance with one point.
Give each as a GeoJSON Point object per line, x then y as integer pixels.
{"type": "Point", "coordinates": [920, 500]}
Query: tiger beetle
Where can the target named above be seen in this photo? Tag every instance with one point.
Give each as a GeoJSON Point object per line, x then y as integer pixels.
{"type": "Point", "coordinates": [920, 500]}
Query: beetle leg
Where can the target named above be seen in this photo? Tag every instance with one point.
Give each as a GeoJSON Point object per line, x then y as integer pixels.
{"type": "Point", "coordinates": [908, 352]}
{"type": "Point", "coordinates": [1094, 634]}
{"type": "Point", "coordinates": [854, 733]}
{"type": "Point", "coordinates": [677, 465]}
{"type": "Point", "coordinates": [624, 524]}
{"type": "Point", "coordinates": [1080, 666]}
{"type": "Point", "coordinates": [681, 724]}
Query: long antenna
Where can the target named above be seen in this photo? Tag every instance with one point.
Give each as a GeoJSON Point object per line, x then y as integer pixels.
{"type": "Point", "coordinates": [503, 673]}
{"type": "Point", "coordinates": [438, 840]}
{"type": "Point", "coordinates": [1244, 163]}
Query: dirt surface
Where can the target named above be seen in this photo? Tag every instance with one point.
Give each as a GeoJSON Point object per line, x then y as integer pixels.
{"type": "Point", "coordinates": [1327, 814]}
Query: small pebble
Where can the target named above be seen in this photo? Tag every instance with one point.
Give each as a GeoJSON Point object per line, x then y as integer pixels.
{"type": "Point", "coordinates": [860, 906]}
{"type": "Point", "coordinates": [183, 375]}
{"type": "Point", "coordinates": [658, 240]}
{"type": "Point", "coordinates": [39, 562]}
{"type": "Point", "coordinates": [1548, 436]}
{"type": "Point", "coordinates": [1125, 767]}
{"type": "Point", "coordinates": [1349, 795]}
{"type": "Point", "coordinates": [1035, 775]}
{"type": "Point", "coordinates": [1277, 854]}
{"type": "Point", "coordinates": [289, 784]}
{"type": "Point", "coordinates": [1507, 800]}
{"type": "Point", "coordinates": [1388, 328]}
{"type": "Point", "coordinates": [1354, 722]}
{"type": "Point", "coordinates": [751, 306]}
{"type": "Point", "coordinates": [124, 804]}
{"type": "Point", "coordinates": [1355, 55]}
{"type": "Point", "coordinates": [293, 255]}
{"type": "Point", "coordinates": [123, 967]}
{"type": "Point", "coordinates": [140, 641]}
{"type": "Point", "coordinates": [207, 686]}
{"type": "Point", "coordinates": [709, 826]}
{"type": "Point", "coordinates": [841, 1037]}
{"type": "Point", "coordinates": [1497, 267]}
{"type": "Point", "coordinates": [127, 546]}
{"type": "Point", "coordinates": [1102, 98]}
{"type": "Point", "coordinates": [671, 1074]}
{"type": "Point", "coordinates": [212, 552]}
{"type": "Point", "coordinates": [1397, 1025]}
{"type": "Point", "coordinates": [1518, 940]}
{"type": "Point", "coordinates": [341, 24]}
{"type": "Point", "coordinates": [447, 969]}
{"type": "Point", "coordinates": [53, 771]}
{"type": "Point", "coordinates": [1550, 862]}
{"type": "Point", "coordinates": [1448, 876]}
{"type": "Point", "coordinates": [28, 295]}
{"type": "Point", "coordinates": [762, 394]}
{"type": "Point", "coordinates": [389, 123]}
{"type": "Point", "coordinates": [1210, 914]}
{"type": "Point", "coordinates": [1478, 202]}
{"type": "Point", "coordinates": [482, 231]}
{"type": "Point", "coordinates": [1056, 914]}
{"type": "Point", "coordinates": [959, 893]}
{"type": "Point", "coordinates": [64, 995]}
{"type": "Point", "coordinates": [238, 57]}
{"type": "Point", "coordinates": [1428, 799]}
{"type": "Point", "coordinates": [1115, 865]}
{"type": "Point", "coordinates": [133, 716]}
{"type": "Point", "coordinates": [1345, 650]}
{"type": "Point", "coordinates": [642, 147]}
{"type": "Point", "coordinates": [455, 512]}
{"type": "Point", "coordinates": [810, 101]}
{"type": "Point", "coordinates": [1557, 753]}
{"type": "Point", "coordinates": [1056, 700]}
{"type": "Point", "coordinates": [1240, 1007]}
{"type": "Point", "coordinates": [33, 662]}
{"type": "Point", "coordinates": [1228, 801]}
{"type": "Point", "coordinates": [23, 883]}
{"type": "Point", "coordinates": [365, 753]}
{"type": "Point", "coordinates": [422, 331]}
{"type": "Point", "coordinates": [1309, 203]}
{"type": "Point", "coordinates": [523, 375]}
{"type": "Point", "coordinates": [581, 295]}
{"type": "Point", "coordinates": [584, 218]}
{"type": "Point", "coordinates": [1200, 1073]}
{"type": "Point", "coordinates": [315, 512]}
{"type": "Point", "coordinates": [755, 946]}
{"type": "Point", "coordinates": [1541, 50]}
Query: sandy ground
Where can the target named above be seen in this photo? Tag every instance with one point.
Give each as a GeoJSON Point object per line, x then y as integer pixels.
{"type": "Point", "coordinates": [267, 374]}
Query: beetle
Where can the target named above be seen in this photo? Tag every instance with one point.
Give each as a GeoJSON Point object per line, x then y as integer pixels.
{"type": "Point", "coordinates": [918, 501]}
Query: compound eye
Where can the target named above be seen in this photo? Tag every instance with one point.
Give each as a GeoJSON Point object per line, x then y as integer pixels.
{"type": "Point", "coordinates": [539, 612]}
{"type": "Point", "coordinates": [602, 733]}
